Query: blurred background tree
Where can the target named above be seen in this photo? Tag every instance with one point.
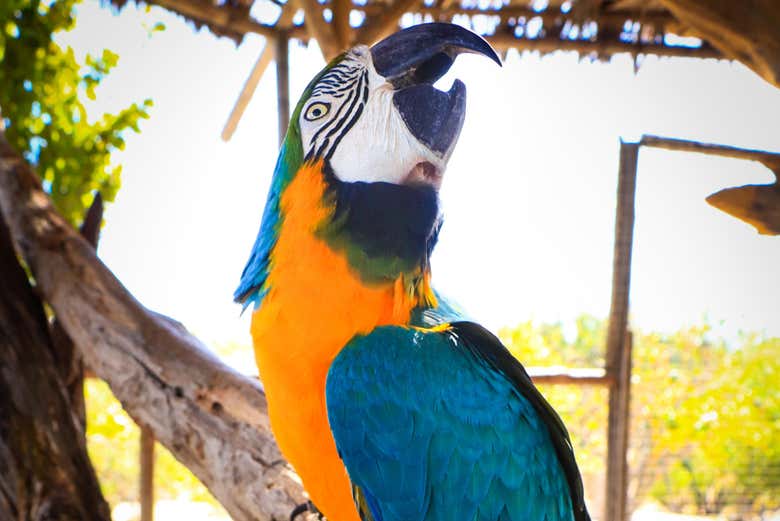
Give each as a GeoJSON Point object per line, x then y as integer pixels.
{"type": "Point", "coordinates": [113, 444]}
{"type": "Point", "coordinates": [42, 93]}
{"type": "Point", "coordinates": [705, 416]}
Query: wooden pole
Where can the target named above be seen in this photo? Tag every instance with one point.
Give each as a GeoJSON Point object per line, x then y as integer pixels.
{"type": "Point", "coordinates": [283, 84]}
{"type": "Point", "coordinates": [617, 365]}
{"type": "Point", "coordinates": [227, 18]}
{"type": "Point", "coordinates": [250, 85]}
{"type": "Point", "coordinates": [565, 376]}
{"type": "Point", "coordinates": [146, 489]}
{"type": "Point", "coordinates": [248, 90]}
{"type": "Point", "coordinates": [770, 159]}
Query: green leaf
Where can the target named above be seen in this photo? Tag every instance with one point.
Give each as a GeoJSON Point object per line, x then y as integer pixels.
{"type": "Point", "coordinates": [42, 91]}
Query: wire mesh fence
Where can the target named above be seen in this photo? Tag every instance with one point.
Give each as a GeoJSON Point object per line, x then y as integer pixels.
{"type": "Point", "coordinates": [705, 419]}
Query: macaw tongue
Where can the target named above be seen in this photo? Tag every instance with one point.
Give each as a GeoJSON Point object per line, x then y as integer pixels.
{"type": "Point", "coordinates": [424, 173]}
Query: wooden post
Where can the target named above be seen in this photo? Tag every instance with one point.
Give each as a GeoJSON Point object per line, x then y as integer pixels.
{"type": "Point", "coordinates": [283, 83]}
{"type": "Point", "coordinates": [147, 474]}
{"type": "Point", "coordinates": [618, 360]}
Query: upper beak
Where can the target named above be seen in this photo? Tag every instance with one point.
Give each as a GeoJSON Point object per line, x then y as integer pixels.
{"type": "Point", "coordinates": [424, 53]}
{"type": "Point", "coordinates": [412, 60]}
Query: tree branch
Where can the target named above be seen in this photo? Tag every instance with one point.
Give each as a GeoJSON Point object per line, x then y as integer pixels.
{"type": "Point", "coordinates": [211, 418]}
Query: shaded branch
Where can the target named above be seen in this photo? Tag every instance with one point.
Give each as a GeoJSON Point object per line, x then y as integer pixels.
{"type": "Point", "coordinates": [45, 473]}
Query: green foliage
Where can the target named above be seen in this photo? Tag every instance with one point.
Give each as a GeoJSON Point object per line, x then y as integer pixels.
{"type": "Point", "coordinates": [582, 407]}
{"type": "Point", "coordinates": [716, 426]}
{"type": "Point", "coordinates": [113, 441]}
{"type": "Point", "coordinates": [41, 90]}
{"type": "Point", "coordinates": [705, 426]}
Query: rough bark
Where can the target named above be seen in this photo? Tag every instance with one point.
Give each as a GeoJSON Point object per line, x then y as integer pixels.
{"type": "Point", "coordinates": [748, 31]}
{"type": "Point", "coordinates": [45, 473]}
{"type": "Point", "coordinates": [211, 418]}
{"type": "Point", "coordinates": [67, 358]}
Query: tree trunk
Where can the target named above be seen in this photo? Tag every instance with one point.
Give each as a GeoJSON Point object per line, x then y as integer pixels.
{"type": "Point", "coordinates": [211, 418]}
{"type": "Point", "coordinates": [45, 473]}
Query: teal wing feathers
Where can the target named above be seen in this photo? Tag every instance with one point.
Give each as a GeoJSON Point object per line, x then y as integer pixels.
{"type": "Point", "coordinates": [432, 425]}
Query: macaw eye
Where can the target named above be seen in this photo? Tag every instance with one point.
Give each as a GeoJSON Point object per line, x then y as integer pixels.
{"type": "Point", "coordinates": [316, 110]}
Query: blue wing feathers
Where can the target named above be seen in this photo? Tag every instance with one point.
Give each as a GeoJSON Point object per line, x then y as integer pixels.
{"type": "Point", "coordinates": [430, 430]}
{"type": "Point", "coordinates": [251, 288]}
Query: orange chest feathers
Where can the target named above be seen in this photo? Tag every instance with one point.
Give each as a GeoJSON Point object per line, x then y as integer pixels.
{"type": "Point", "coordinates": [315, 304]}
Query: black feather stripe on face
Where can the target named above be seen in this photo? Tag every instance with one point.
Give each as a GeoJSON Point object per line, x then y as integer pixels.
{"type": "Point", "coordinates": [342, 80]}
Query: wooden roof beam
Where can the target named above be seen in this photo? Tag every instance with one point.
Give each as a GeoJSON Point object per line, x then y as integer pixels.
{"type": "Point", "coordinates": [320, 30]}
{"type": "Point", "coordinates": [548, 45]}
{"type": "Point", "coordinates": [547, 16]}
{"type": "Point", "coordinates": [586, 8]}
{"type": "Point", "coordinates": [225, 19]}
{"type": "Point", "coordinates": [745, 31]}
{"type": "Point", "coordinates": [770, 159]}
{"type": "Point", "coordinates": [344, 33]}
{"type": "Point", "coordinates": [386, 23]}
{"type": "Point", "coordinates": [758, 205]}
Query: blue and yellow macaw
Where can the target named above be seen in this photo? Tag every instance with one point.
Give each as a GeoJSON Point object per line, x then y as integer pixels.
{"type": "Point", "coordinates": [388, 403]}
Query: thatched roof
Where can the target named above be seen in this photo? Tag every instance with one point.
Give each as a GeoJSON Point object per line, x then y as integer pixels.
{"type": "Point", "coordinates": [599, 28]}
{"type": "Point", "coordinates": [746, 30]}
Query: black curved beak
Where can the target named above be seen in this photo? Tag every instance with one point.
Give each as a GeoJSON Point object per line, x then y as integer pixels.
{"type": "Point", "coordinates": [424, 53]}
{"type": "Point", "coordinates": [412, 60]}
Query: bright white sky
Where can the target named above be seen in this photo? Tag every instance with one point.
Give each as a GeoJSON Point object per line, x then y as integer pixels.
{"type": "Point", "coordinates": [529, 196]}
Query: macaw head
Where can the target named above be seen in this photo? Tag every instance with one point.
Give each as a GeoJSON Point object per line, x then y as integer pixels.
{"type": "Point", "coordinates": [379, 134]}
{"type": "Point", "coordinates": [373, 114]}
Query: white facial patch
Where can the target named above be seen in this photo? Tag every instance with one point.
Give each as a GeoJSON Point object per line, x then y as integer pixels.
{"type": "Point", "coordinates": [351, 121]}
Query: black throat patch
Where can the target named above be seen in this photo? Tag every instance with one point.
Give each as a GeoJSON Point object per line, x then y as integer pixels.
{"type": "Point", "coordinates": [384, 229]}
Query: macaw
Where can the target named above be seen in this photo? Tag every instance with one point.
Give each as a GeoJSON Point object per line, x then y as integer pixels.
{"type": "Point", "coordinates": [388, 403]}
